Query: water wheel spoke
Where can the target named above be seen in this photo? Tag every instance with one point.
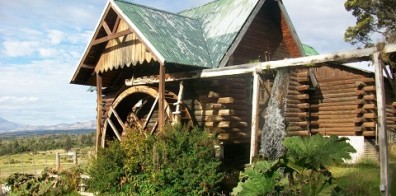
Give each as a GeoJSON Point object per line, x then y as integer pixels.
{"type": "Point", "coordinates": [154, 128]}
{"type": "Point", "coordinates": [118, 118]}
{"type": "Point", "coordinates": [114, 129]}
{"type": "Point", "coordinates": [138, 107]}
{"type": "Point", "coordinates": [151, 112]}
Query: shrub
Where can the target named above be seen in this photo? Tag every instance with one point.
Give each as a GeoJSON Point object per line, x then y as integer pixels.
{"type": "Point", "coordinates": [106, 170]}
{"type": "Point", "coordinates": [27, 184]}
{"type": "Point", "coordinates": [177, 161]}
{"type": "Point", "coordinates": [300, 171]}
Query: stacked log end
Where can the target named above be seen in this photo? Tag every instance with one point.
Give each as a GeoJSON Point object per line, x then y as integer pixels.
{"type": "Point", "coordinates": [221, 106]}
{"type": "Point", "coordinates": [297, 104]}
{"type": "Point", "coordinates": [367, 105]}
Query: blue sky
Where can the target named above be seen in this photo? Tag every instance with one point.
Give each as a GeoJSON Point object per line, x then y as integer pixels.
{"type": "Point", "coordinates": [41, 42]}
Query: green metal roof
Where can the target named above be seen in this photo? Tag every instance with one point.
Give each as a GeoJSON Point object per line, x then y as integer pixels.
{"type": "Point", "coordinates": [177, 38]}
{"type": "Point", "coordinates": [198, 37]}
{"type": "Point", "coordinates": [221, 21]}
{"type": "Point", "coordinates": [309, 50]}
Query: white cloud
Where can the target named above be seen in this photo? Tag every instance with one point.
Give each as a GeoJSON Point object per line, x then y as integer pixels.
{"type": "Point", "coordinates": [321, 23]}
{"type": "Point", "coordinates": [19, 48]}
{"type": "Point", "coordinates": [55, 36]}
{"type": "Point", "coordinates": [17, 100]}
{"type": "Point", "coordinates": [47, 52]}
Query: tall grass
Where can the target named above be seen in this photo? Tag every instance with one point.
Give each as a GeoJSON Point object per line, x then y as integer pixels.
{"type": "Point", "coordinates": [363, 178]}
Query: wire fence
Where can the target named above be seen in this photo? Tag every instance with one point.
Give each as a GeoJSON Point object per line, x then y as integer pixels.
{"type": "Point", "coordinates": [36, 163]}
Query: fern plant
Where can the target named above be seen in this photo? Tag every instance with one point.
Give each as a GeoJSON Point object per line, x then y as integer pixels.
{"type": "Point", "coordinates": [302, 170]}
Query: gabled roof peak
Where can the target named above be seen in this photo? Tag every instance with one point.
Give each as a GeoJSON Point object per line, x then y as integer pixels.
{"type": "Point", "coordinates": [154, 9]}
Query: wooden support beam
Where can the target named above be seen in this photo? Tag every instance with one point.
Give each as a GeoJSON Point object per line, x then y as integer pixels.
{"type": "Point", "coordinates": [382, 135]}
{"type": "Point", "coordinates": [85, 66]}
{"type": "Point", "coordinates": [112, 36]}
{"type": "Point", "coordinates": [99, 111]}
{"type": "Point", "coordinates": [255, 116]}
{"type": "Point", "coordinates": [118, 118]}
{"type": "Point", "coordinates": [106, 28]}
{"type": "Point", "coordinates": [316, 60]}
{"type": "Point", "coordinates": [116, 24]}
{"type": "Point", "coordinates": [161, 95]}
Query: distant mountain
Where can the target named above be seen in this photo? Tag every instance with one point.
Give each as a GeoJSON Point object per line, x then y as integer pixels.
{"type": "Point", "coordinates": [7, 126]}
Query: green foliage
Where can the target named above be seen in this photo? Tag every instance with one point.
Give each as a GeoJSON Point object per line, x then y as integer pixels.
{"type": "Point", "coordinates": [106, 170]}
{"type": "Point", "coordinates": [371, 17]}
{"type": "Point", "coordinates": [66, 182]}
{"type": "Point", "coordinates": [177, 161]}
{"type": "Point", "coordinates": [317, 151]}
{"type": "Point", "coordinates": [46, 142]}
{"type": "Point", "coordinates": [301, 171]}
{"type": "Point", "coordinates": [260, 178]}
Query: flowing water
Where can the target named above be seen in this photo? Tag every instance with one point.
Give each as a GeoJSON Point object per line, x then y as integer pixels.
{"type": "Point", "coordinates": [274, 127]}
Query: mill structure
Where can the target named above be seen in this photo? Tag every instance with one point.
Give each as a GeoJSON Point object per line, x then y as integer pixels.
{"type": "Point", "coordinates": [214, 66]}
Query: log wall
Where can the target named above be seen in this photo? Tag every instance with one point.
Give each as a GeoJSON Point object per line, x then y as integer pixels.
{"type": "Point", "coordinates": [343, 104]}
{"type": "Point", "coordinates": [222, 106]}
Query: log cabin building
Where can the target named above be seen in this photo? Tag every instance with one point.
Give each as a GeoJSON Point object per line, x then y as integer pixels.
{"type": "Point", "coordinates": [152, 67]}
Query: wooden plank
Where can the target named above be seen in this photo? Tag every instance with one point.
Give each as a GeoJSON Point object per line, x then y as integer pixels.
{"type": "Point", "coordinates": [381, 119]}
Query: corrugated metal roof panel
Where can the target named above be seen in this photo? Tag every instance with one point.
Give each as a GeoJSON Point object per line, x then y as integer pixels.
{"type": "Point", "coordinates": [179, 39]}
{"type": "Point", "coordinates": [221, 21]}
{"type": "Point", "coordinates": [309, 50]}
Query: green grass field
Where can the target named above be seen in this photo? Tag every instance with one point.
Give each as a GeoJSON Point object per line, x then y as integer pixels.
{"type": "Point", "coordinates": [36, 163]}
{"type": "Point", "coordinates": [364, 178]}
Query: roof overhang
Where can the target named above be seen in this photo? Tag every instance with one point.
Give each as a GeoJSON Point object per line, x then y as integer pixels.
{"type": "Point", "coordinates": [85, 73]}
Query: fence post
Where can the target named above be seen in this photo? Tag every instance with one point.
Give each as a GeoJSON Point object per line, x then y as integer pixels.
{"type": "Point", "coordinates": [57, 161]}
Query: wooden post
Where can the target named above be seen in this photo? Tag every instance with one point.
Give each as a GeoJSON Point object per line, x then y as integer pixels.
{"type": "Point", "coordinates": [99, 111]}
{"type": "Point", "coordinates": [255, 115]}
{"type": "Point", "coordinates": [161, 105]}
{"type": "Point", "coordinates": [57, 161]}
{"type": "Point", "coordinates": [74, 158]}
{"type": "Point", "coordinates": [382, 135]}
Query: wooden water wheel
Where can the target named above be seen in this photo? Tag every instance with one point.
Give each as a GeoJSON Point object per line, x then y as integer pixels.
{"type": "Point", "coordinates": [137, 107]}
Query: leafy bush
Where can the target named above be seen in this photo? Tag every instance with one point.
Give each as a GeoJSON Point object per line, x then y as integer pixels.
{"type": "Point", "coordinates": [106, 170]}
{"type": "Point", "coordinates": [49, 183]}
{"type": "Point", "coordinates": [300, 171]}
{"type": "Point", "coordinates": [177, 161]}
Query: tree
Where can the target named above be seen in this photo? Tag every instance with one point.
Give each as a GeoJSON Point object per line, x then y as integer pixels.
{"type": "Point", "coordinates": [67, 146]}
{"type": "Point", "coordinates": [372, 17]}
